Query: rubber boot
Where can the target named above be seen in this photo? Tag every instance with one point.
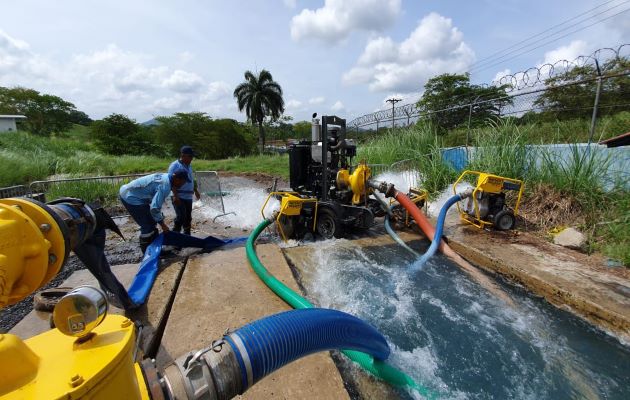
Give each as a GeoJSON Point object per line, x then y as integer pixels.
{"type": "Point", "coordinates": [146, 239]}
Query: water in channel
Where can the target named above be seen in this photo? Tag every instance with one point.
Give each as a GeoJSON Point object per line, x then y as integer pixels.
{"type": "Point", "coordinates": [451, 335]}
{"type": "Point", "coordinates": [445, 330]}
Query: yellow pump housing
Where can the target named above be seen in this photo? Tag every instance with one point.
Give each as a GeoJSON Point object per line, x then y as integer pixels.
{"type": "Point", "coordinates": [357, 181]}
{"type": "Point", "coordinates": [33, 243]}
{"type": "Point", "coordinates": [35, 240]}
{"type": "Point", "coordinates": [55, 366]}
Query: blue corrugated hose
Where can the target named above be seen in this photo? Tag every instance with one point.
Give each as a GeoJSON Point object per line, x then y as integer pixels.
{"type": "Point", "coordinates": [279, 339]}
{"type": "Point", "coordinates": [437, 238]}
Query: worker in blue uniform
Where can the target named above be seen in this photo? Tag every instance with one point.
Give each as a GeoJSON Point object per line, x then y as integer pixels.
{"type": "Point", "coordinates": [183, 196]}
{"type": "Point", "coordinates": [144, 197]}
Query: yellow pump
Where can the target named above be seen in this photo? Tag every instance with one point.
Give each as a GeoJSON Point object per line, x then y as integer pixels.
{"type": "Point", "coordinates": [88, 360]}
{"type": "Point", "coordinates": [357, 181]}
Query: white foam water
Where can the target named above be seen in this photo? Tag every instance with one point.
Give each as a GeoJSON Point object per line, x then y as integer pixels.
{"type": "Point", "coordinates": [244, 203]}
{"type": "Point", "coordinates": [452, 336]}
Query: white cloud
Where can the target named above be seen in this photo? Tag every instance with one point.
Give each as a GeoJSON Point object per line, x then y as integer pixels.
{"type": "Point", "coordinates": [111, 79]}
{"type": "Point", "coordinates": [316, 100]}
{"type": "Point", "coordinates": [183, 82]}
{"type": "Point", "coordinates": [292, 104]}
{"type": "Point", "coordinates": [434, 47]}
{"type": "Point", "coordinates": [569, 52]}
{"type": "Point", "coordinates": [338, 106]}
{"type": "Point", "coordinates": [217, 91]}
{"type": "Point", "coordinates": [338, 18]}
{"type": "Point", "coordinates": [16, 59]}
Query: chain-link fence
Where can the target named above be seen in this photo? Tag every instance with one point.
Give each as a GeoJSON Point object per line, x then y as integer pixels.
{"type": "Point", "coordinates": [585, 89]}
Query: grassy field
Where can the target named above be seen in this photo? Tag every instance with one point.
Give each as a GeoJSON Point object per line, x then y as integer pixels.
{"type": "Point", "coordinates": [26, 158]}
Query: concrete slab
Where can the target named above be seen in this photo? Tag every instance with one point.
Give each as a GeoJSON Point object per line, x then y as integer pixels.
{"type": "Point", "coordinates": [150, 315]}
{"type": "Point", "coordinates": [219, 291]}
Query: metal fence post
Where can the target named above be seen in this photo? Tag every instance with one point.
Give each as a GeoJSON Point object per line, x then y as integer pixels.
{"type": "Point", "coordinates": [595, 105]}
{"type": "Point", "coordinates": [469, 118]}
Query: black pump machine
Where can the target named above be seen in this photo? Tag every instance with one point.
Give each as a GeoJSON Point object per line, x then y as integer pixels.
{"type": "Point", "coordinates": [329, 197]}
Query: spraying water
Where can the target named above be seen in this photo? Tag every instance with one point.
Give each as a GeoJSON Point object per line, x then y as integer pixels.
{"type": "Point", "coordinates": [241, 198]}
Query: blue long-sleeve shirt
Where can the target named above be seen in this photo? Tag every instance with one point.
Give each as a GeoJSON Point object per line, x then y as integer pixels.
{"type": "Point", "coordinates": [186, 191]}
{"type": "Point", "coordinates": [151, 190]}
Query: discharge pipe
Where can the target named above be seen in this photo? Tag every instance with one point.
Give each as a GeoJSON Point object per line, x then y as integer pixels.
{"type": "Point", "coordinates": [439, 227]}
{"type": "Point", "coordinates": [232, 365]}
{"type": "Point", "coordinates": [423, 222]}
{"type": "Point", "coordinates": [373, 365]}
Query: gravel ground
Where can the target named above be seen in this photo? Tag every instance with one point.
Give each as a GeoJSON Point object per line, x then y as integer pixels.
{"type": "Point", "coordinates": [119, 251]}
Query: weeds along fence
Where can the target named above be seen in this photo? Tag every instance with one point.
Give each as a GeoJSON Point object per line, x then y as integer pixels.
{"type": "Point", "coordinates": [572, 102]}
{"type": "Point", "coordinates": [582, 92]}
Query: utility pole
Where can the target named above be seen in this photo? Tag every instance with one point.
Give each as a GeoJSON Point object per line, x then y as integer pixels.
{"type": "Point", "coordinates": [393, 101]}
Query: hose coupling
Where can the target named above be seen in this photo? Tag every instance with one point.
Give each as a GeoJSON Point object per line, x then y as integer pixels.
{"type": "Point", "coordinates": [466, 193]}
{"type": "Point", "coordinates": [273, 217]}
{"type": "Point", "coordinates": [212, 373]}
{"type": "Point", "coordinates": [387, 189]}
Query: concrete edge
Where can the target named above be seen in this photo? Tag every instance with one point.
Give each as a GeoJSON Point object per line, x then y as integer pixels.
{"type": "Point", "coordinates": [592, 313]}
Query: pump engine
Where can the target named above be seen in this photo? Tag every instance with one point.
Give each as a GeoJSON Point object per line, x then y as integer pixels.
{"type": "Point", "coordinates": [331, 195]}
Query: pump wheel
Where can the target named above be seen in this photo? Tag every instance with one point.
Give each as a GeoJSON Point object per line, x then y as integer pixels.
{"type": "Point", "coordinates": [504, 220]}
{"type": "Point", "coordinates": [328, 226]}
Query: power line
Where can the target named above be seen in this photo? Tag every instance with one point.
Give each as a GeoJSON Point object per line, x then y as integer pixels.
{"type": "Point", "coordinates": [483, 60]}
{"type": "Point", "coordinates": [499, 61]}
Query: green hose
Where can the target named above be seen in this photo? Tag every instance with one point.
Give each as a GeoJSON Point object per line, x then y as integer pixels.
{"type": "Point", "coordinates": [377, 368]}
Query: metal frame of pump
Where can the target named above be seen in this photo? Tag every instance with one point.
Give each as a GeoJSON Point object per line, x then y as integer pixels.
{"type": "Point", "coordinates": [418, 197]}
{"type": "Point", "coordinates": [320, 174]}
{"type": "Point", "coordinates": [291, 205]}
{"type": "Point", "coordinates": [490, 186]}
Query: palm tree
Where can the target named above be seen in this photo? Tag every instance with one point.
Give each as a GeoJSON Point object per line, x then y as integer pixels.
{"type": "Point", "coordinates": [260, 96]}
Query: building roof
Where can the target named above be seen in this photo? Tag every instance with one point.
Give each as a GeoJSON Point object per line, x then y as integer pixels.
{"type": "Point", "coordinates": [617, 141]}
{"type": "Point", "coordinates": [12, 116]}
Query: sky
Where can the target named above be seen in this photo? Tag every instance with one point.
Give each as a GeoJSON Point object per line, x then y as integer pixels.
{"type": "Point", "coordinates": [147, 58]}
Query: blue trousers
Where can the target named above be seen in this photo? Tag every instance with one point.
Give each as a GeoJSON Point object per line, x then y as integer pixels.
{"type": "Point", "coordinates": [142, 215]}
{"type": "Point", "coordinates": [183, 212]}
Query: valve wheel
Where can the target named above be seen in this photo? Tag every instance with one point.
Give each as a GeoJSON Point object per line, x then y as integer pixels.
{"type": "Point", "coordinates": [504, 220]}
{"type": "Point", "coordinates": [328, 225]}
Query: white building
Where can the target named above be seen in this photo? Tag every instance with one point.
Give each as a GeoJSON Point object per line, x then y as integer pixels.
{"type": "Point", "coordinates": [7, 122]}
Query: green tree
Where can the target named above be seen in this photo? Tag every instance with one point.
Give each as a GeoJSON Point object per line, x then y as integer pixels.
{"type": "Point", "coordinates": [302, 130]}
{"type": "Point", "coordinates": [572, 93]}
{"type": "Point", "coordinates": [260, 96]}
{"type": "Point", "coordinates": [211, 139]}
{"type": "Point", "coordinates": [44, 113]}
{"type": "Point", "coordinates": [118, 134]}
{"type": "Point", "coordinates": [448, 98]}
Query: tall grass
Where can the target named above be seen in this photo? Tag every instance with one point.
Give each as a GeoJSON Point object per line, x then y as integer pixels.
{"type": "Point", "coordinates": [420, 146]}
{"type": "Point", "coordinates": [502, 150]}
{"type": "Point", "coordinates": [106, 193]}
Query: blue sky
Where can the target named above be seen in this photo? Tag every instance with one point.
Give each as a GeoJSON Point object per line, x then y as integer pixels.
{"type": "Point", "coordinates": [145, 58]}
